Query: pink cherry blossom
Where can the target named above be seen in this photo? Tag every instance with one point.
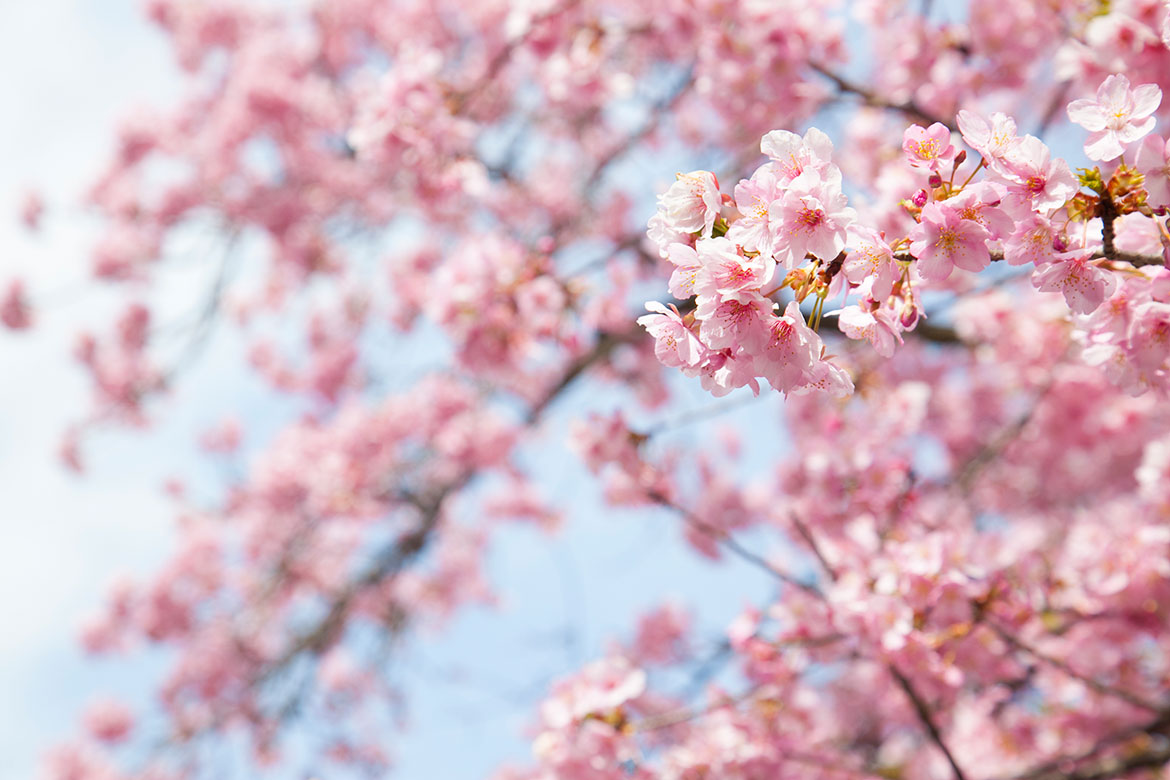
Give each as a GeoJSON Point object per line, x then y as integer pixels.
{"type": "Point", "coordinates": [874, 325]}
{"type": "Point", "coordinates": [981, 202]}
{"type": "Point", "coordinates": [928, 147]}
{"type": "Point", "coordinates": [992, 138]}
{"type": "Point", "coordinates": [944, 241]}
{"type": "Point", "coordinates": [674, 343]}
{"type": "Point", "coordinates": [691, 205]}
{"type": "Point", "coordinates": [1149, 335]}
{"type": "Point", "coordinates": [728, 272]}
{"type": "Point", "coordinates": [689, 273]}
{"type": "Point", "coordinates": [421, 235]}
{"type": "Point", "coordinates": [15, 309]}
{"type": "Point", "coordinates": [790, 350]}
{"type": "Point", "coordinates": [1031, 242]}
{"type": "Point", "coordinates": [1034, 181]}
{"type": "Point", "coordinates": [108, 720]}
{"type": "Point", "coordinates": [791, 154]}
{"type": "Point", "coordinates": [1153, 160]}
{"type": "Point", "coordinates": [725, 371]}
{"type": "Point", "coordinates": [734, 321]}
{"type": "Point", "coordinates": [811, 217]}
{"type": "Point", "coordinates": [32, 209]}
{"type": "Point", "coordinates": [1083, 284]}
{"type": "Point", "coordinates": [871, 257]}
{"type": "Point", "coordinates": [1116, 117]}
{"type": "Point", "coordinates": [753, 198]}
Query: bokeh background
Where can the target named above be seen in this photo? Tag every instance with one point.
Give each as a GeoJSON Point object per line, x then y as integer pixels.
{"type": "Point", "coordinates": [70, 70]}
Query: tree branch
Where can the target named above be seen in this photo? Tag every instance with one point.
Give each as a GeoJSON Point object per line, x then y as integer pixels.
{"type": "Point", "coordinates": [927, 719]}
{"type": "Point", "coordinates": [1056, 663]}
{"type": "Point", "coordinates": [727, 541]}
{"type": "Point", "coordinates": [1058, 769]}
{"type": "Point", "coordinates": [871, 98]}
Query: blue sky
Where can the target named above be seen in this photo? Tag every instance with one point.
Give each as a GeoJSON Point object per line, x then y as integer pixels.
{"type": "Point", "coordinates": [68, 67]}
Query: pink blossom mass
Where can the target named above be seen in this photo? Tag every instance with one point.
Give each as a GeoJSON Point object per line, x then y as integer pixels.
{"type": "Point", "coordinates": [580, 390]}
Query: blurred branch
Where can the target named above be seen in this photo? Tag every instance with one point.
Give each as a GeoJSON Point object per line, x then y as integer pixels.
{"type": "Point", "coordinates": [1056, 663]}
{"type": "Point", "coordinates": [926, 718]}
{"type": "Point", "coordinates": [994, 448]}
{"type": "Point", "coordinates": [728, 542]}
{"type": "Point", "coordinates": [1059, 99]}
{"type": "Point", "coordinates": [1152, 756]}
{"type": "Point", "coordinates": [601, 351]}
{"type": "Point", "coordinates": [657, 109]}
{"type": "Point", "coordinates": [871, 98]}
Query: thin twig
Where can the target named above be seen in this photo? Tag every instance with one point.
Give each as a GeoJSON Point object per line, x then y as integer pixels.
{"type": "Point", "coordinates": [871, 98]}
{"type": "Point", "coordinates": [810, 540]}
{"type": "Point", "coordinates": [924, 715]}
{"type": "Point", "coordinates": [1056, 663]}
{"type": "Point", "coordinates": [1058, 769]}
{"type": "Point", "coordinates": [727, 541]}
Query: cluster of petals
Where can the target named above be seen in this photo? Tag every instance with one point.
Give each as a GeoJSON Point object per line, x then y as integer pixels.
{"type": "Point", "coordinates": [791, 208]}
{"type": "Point", "coordinates": [788, 226]}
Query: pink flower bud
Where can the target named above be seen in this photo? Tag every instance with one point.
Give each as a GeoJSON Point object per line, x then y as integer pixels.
{"type": "Point", "coordinates": [920, 198]}
{"type": "Point", "coordinates": [908, 316]}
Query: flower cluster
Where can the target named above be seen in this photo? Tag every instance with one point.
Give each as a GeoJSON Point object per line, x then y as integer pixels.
{"type": "Point", "coordinates": [788, 228]}
{"type": "Point", "coordinates": [791, 208]}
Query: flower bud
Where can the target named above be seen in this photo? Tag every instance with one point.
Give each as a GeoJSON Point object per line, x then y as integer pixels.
{"type": "Point", "coordinates": [935, 180]}
{"type": "Point", "coordinates": [920, 198]}
{"type": "Point", "coordinates": [908, 316]}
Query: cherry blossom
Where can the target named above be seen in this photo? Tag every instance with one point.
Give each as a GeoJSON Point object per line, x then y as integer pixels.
{"type": "Point", "coordinates": [944, 241]}
{"type": "Point", "coordinates": [928, 147]}
{"type": "Point", "coordinates": [1153, 160]}
{"type": "Point", "coordinates": [1083, 284]}
{"type": "Point", "coordinates": [1117, 117]}
{"type": "Point", "coordinates": [811, 217]}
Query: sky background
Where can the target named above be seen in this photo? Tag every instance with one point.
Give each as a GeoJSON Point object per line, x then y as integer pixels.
{"type": "Point", "coordinates": [70, 69]}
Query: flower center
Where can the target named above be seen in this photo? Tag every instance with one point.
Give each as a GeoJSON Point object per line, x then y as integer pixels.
{"type": "Point", "coordinates": [810, 218]}
{"type": "Point", "coordinates": [928, 150]}
{"type": "Point", "coordinates": [948, 239]}
{"type": "Point", "coordinates": [740, 274]}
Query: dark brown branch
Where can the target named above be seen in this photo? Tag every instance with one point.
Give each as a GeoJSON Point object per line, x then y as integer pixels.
{"type": "Point", "coordinates": [924, 715]}
{"type": "Point", "coordinates": [686, 714]}
{"type": "Point", "coordinates": [965, 477]}
{"type": "Point", "coordinates": [1108, 213]}
{"type": "Point", "coordinates": [388, 563]}
{"type": "Point", "coordinates": [1059, 100]}
{"type": "Point", "coordinates": [659, 107]}
{"type": "Point", "coordinates": [396, 556]}
{"type": "Point", "coordinates": [1120, 767]}
{"type": "Point", "coordinates": [1136, 260]}
{"type": "Point", "coordinates": [936, 334]}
